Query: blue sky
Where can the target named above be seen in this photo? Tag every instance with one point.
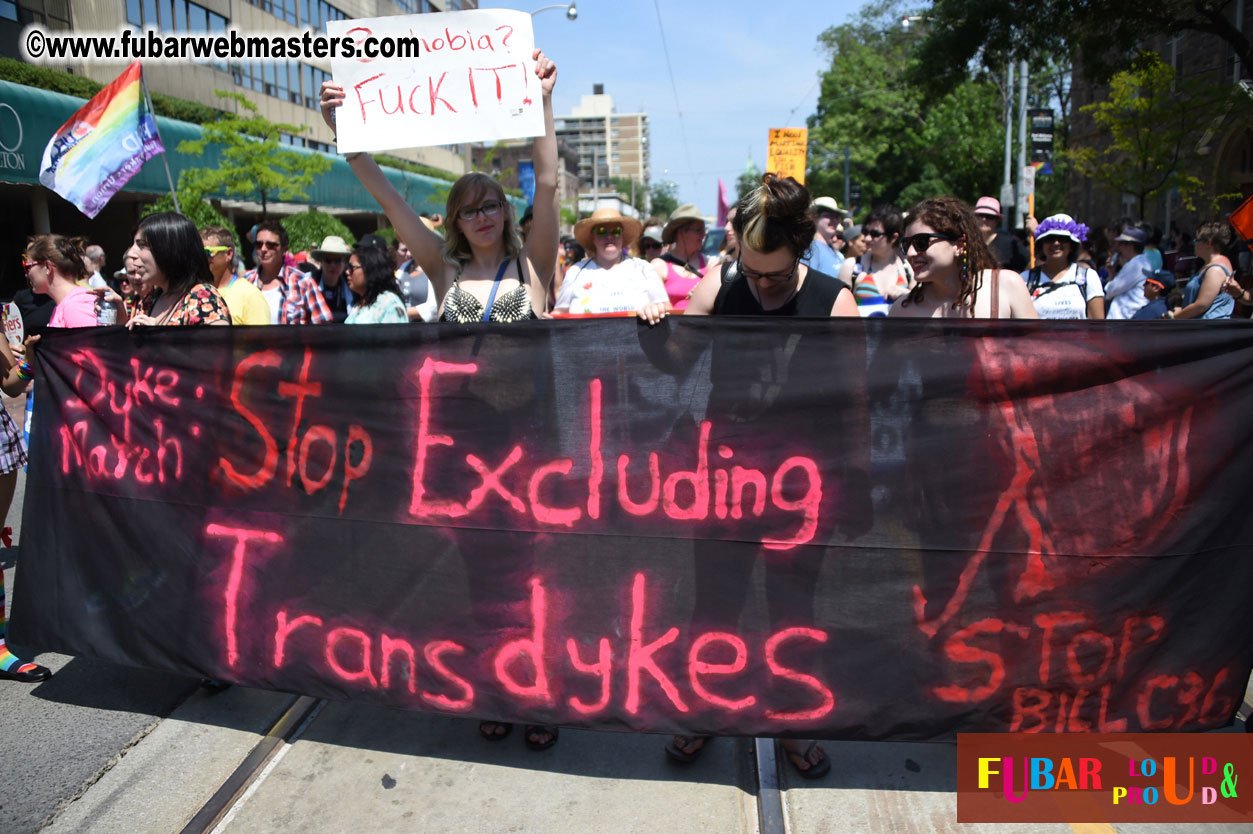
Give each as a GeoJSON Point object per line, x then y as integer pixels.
{"type": "Point", "coordinates": [740, 68]}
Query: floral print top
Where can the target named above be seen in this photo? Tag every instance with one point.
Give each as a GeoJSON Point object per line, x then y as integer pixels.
{"type": "Point", "coordinates": [202, 304]}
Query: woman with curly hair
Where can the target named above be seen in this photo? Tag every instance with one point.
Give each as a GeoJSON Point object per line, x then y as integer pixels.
{"type": "Point", "coordinates": [957, 277]}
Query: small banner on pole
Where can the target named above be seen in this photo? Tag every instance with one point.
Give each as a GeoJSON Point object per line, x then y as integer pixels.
{"type": "Point", "coordinates": [788, 151]}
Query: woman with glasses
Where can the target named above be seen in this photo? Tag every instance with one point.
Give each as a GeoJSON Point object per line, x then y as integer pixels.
{"type": "Point", "coordinates": [171, 261]}
{"type": "Point", "coordinates": [1061, 287]}
{"type": "Point", "coordinates": [369, 274]}
{"type": "Point", "coordinates": [956, 274]}
{"type": "Point", "coordinates": [610, 281]}
{"type": "Point", "coordinates": [682, 267]}
{"type": "Point", "coordinates": [482, 271]}
{"type": "Point", "coordinates": [881, 275]}
{"type": "Point", "coordinates": [774, 228]}
{"type": "Point", "coordinates": [54, 265]}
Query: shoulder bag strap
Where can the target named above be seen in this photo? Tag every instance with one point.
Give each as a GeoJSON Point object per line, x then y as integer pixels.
{"type": "Point", "coordinates": [491, 299]}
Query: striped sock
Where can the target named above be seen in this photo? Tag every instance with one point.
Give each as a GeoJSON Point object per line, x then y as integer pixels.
{"type": "Point", "coordinates": [9, 662]}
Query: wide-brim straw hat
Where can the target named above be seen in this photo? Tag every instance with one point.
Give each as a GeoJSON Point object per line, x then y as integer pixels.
{"type": "Point", "coordinates": [631, 227]}
{"type": "Point", "coordinates": [684, 214]}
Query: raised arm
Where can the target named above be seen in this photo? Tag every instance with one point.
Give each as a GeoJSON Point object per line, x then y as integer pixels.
{"type": "Point", "coordinates": [422, 242]}
{"type": "Point", "coordinates": [541, 243]}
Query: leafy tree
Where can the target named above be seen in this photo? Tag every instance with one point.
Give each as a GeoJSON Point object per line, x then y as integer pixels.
{"type": "Point", "coordinates": [195, 208]}
{"type": "Point", "coordinates": [1152, 117]}
{"type": "Point", "coordinates": [626, 187]}
{"type": "Point", "coordinates": [665, 198]}
{"type": "Point", "coordinates": [253, 162]}
{"type": "Point", "coordinates": [1104, 34]}
{"type": "Point", "coordinates": [747, 181]}
{"type": "Point", "coordinates": [905, 144]}
{"type": "Point", "coordinates": [308, 228]}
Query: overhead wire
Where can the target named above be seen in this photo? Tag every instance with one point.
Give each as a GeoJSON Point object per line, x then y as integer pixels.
{"type": "Point", "coordinates": [673, 86]}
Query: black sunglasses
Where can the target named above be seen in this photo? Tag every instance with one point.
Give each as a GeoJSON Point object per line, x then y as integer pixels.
{"type": "Point", "coordinates": [922, 241]}
{"type": "Point", "coordinates": [872, 233]}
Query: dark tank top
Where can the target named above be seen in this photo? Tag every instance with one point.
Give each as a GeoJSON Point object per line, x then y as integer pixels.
{"type": "Point", "coordinates": [815, 299]}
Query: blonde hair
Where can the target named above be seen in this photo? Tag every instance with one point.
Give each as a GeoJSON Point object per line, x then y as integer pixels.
{"type": "Point", "coordinates": [775, 215]}
{"type": "Point", "coordinates": [470, 188]}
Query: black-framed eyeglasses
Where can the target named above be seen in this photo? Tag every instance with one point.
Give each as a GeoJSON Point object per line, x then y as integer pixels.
{"type": "Point", "coordinates": [922, 241]}
{"type": "Point", "coordinates": [766, 276]}
{"type": "Point", "coordinates": [352, 266]}
{"type": "Point", "coordinates": [488, 209]}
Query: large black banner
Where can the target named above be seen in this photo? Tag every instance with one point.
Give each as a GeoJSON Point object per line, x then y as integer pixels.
{"type": "Point", "coordinates": [879, 529]}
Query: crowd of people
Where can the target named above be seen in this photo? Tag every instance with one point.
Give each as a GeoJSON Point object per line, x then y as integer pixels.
{"type": "Point", "coordinates": [784, 254]}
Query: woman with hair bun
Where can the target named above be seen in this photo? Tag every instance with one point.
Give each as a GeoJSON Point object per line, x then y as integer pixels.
{"type": "Point", "coordinates": [1204, 296]}
{"type": "Point", "coordinates": [774, 229]}
{"type": "Point", "coordinates": [956, 274]}
{"type": "Point", "coordinates": [54, 265]}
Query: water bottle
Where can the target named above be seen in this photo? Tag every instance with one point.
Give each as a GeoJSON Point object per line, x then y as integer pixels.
{"type": "Point", "coordinates": [106, 315]}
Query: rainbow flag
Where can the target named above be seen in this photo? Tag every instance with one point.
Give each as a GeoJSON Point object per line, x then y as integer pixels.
{"type": "Point", "coordinates": [103, 145]}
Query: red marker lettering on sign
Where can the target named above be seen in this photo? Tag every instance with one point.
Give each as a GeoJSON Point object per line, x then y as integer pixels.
{"type": "Point", "coordinates": [530, 647]}
{"type": "Point", "coordinates": [826, 696]}
{"type": "Point", "coordinates": [300, 389]}
{"type": "Point", "coordinates": [640, 655]}
{"type": "Point", "coordinates": [269, 460]}
{"type": "Point", "coordinates": [596, 473]}
{"type": "Point", "coordinates": [419, 505]}
{"type": "Point", "coordinates": [389, 646]}
{"type": "Point", "coordinates": [1144, 706]}
{"type": "Point", "coordinates": [698, 479]}
{"type": "Point", "coordinates": [543, 513]}
{"type": "Point", "coordinates": [807, 504]}
{"type": "Point", "coordinates": [960, 651]}
{"type": "Point", "coordinates": [491, 482]}
{"type": "Point", "coordinates": [434, 86]}
{"type": "Point", "coordinates": [654, 492]}
{"type": "Point", "coordinates": [602, 668]}
{"type": "Point", "coordinates": [355, 471]}
{"type": "Point", "coordinates": [242, 537]}
{"type": "Point", "coordinates": [697, 667]}
{"type": "Point", "coordinates": [1075, 667]}
{"type": "Point", "coordinates": [361, 641]}
{"type": "Point", "coordinates": [283, 628]}
{"type": "Point", "coordinates": [316, 434]}
{"type": "Point", "coordinates": [434, 654]}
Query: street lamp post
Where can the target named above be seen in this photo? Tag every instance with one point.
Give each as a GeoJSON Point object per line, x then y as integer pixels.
{"type": "Point", "coordinates": [571, 12]}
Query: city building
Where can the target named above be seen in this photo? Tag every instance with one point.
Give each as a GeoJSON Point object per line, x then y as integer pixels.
{"type": "Point", "coordinates": [1219, 152]}
{"type": "Point", "coordinates": [502, 159]}
{"type": "Point", "coordinates": [615, 143]}
{"type": "Point", "coordinates": [285, 93]}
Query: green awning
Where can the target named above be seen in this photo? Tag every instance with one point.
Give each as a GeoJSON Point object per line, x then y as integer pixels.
{"type": "Point", "coordinates": [30, 116]}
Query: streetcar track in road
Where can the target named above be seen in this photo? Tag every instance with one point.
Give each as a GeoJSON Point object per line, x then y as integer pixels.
{"type": "Point", "coordinates": [248, 775]}
{"type": "Point", "coordinates": [216, 814]}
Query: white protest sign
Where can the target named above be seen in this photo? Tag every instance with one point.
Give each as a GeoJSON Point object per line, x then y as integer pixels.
{"type": "Point", "coordinates": [474, 80]}
{"type": "Point", "coordinates": [13, 327]}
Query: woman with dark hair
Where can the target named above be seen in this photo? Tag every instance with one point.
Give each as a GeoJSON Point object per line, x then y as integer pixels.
{"type": "Point", "coordinates": [953, 267]}
{"type": "Point", "coordinates": [54, 266]}
{"type": "Point", "coordinates": [1061, 287]}
{"type": "Point", "coordinates": [774, 228]}
{"type": "Point", "coordinates": [881, 275]}
{"type": "Point", "coordinates": [482, 270]}
{"type": "Point", "coordinates": [370, 276]}
{"type": "Point", "coordinates": [1204, 296]}
{"type": "Point", "coordinates": [171, 262]}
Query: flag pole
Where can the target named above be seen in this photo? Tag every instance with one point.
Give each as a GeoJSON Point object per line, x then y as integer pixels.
{"type": "Point", "coordinates": [143, 85]}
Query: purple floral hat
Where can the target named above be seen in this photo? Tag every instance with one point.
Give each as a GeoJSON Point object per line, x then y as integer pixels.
{"type": "Point", "coordinates": [1062, 225]}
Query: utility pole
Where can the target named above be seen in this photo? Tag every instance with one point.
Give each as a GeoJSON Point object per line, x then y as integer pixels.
{"type": "Point", "coordinates": [847, 154]}
{"type": "Point", "coordinates": [1022, 143]}
{"type": "Point", "coordinates": [1007, 182]}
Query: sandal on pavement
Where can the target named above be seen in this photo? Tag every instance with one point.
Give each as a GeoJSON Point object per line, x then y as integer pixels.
{"type": "Point", "coordinates": [678, 748]}
{"type": "Point", "coordinates": [540, 729]}
{"type": "Point", "coordinates": [26, 673]}
{"type": "Point", "coordinates": [811, 770]}
{"type": "Point", "coordinates": [492, 730]}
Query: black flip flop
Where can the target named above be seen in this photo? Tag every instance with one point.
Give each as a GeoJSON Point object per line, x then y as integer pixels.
{"type": "Point", "coordinates": [816, 770]}
{"type": "Point", "coordinates": [495, 736]}
{"type": "Point", "coordinates": [678, 754]}
{"type": "Point", "coordinates": [539, 728]}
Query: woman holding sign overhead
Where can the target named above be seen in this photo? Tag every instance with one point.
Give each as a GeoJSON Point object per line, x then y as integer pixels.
{"type": "Point", "coordinates": [482, 271]}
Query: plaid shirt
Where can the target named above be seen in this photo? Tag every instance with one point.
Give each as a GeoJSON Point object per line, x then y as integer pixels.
{"type": "Point", "coordinates": [301, 299]}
